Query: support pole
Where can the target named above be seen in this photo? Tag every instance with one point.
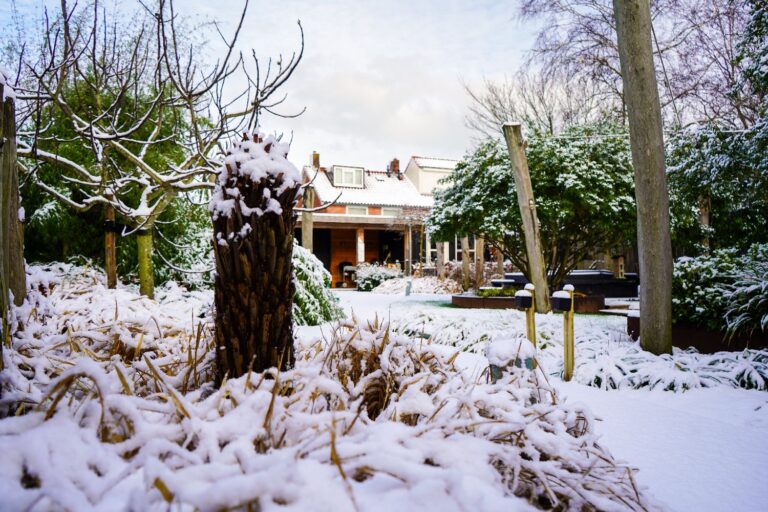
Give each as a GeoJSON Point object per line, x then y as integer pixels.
{"type": "Point", "coordinates": [360, 236]}
{"type": "Point", "coordinates": [530, 320]}
{"type": "Point", "coordinates": [407, 251]}
{"type": "Point", "coordinates": [533, 248]}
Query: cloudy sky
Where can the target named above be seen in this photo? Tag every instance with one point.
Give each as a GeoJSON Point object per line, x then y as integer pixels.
{"type": "Point", "coordinates": [379, 79]}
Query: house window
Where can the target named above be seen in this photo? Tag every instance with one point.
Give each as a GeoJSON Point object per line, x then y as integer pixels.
{"type": "Point", "coordinates": [347, 176]}
{"type": "Point", "coordinates": [357, 210]}
{"type": "Point", "coordinates": [390, 212]}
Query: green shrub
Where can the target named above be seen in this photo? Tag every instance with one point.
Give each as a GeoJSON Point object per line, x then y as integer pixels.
{"type": "Point", "coordinates": [496, 292]}
{"type": "Point", "coordinates": [313, 302]}
{"type": "Point", "coordinates": [371, 276]}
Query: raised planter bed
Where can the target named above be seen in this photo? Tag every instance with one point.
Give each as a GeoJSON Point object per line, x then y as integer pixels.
{"type": "Point", "coordinates": [584, 304]}
{"type": "Point", "coordinates": [702, 339]}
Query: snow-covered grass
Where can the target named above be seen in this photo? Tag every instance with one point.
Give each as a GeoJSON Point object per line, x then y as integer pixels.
{"type": "Point", "coordinates": [701, 449]}
{"type": "Point", "coordinates": [109, 405]}
{"type": "Point", "coordinates": [605, 356]}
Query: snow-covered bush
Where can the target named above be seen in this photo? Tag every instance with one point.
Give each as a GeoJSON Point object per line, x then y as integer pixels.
{"type": "Point", "coordinates": [370, 276]}
{"type": "Point", "coordinates": [723, 291]}
{"type": "Point", "coordinates": [748, 299]}
{"type": "Point", "coordinates": [106, 404]}
{"type": "Point", "coordinates": [699, 288]}
{"type": "Point", "coordinates": [313, 302]}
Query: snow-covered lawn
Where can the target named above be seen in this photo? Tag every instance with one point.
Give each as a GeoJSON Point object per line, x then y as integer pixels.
{"type": "Point", "coordinates": [703, 449]}
{"type": "Point", "coordinates": [108, 405]}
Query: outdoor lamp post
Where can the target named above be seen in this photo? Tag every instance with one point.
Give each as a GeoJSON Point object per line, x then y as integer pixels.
{"type": "Point", "coordinates": [563, 301]}
{"type": "Point", "coordinates": [524, 299]}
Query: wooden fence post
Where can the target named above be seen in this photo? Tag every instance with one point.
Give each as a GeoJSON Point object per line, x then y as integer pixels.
{"type": "Point", "coordinates": [536, 269]}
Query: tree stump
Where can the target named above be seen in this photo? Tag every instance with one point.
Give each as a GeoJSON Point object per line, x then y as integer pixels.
{"type": "Point", "coordinates": [253, 222]}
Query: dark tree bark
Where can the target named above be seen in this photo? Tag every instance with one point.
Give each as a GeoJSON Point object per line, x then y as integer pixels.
{"type": "Point", "coordinates": [633, 26]}
{"type": "Point", "coordinates": [254, 286]}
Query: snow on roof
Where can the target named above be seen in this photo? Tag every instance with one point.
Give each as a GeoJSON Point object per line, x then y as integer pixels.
{"type": "Point", "coordinates": [378, 190]}
{"type": "Point", "coordinates": [435, 163]}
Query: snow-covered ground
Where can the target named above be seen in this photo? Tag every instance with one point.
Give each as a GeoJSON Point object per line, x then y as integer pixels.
{"type": "Point", "coordinates": [704, 449]}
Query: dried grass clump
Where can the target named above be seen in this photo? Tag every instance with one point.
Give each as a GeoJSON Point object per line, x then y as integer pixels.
{"type": "Point", "coordinates": [366, 420]}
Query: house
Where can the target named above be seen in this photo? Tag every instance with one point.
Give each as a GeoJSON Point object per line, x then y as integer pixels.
{"type": "Point", "coordinates": [376, 216]}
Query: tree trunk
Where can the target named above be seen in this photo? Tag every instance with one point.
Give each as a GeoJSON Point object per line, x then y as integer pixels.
{"type": "Point", "coordinates": [633, 27]}
{"type": "Point", "coordinates": [465, 281]}
{"type": "Point", "coordinates": [440, 261]}
{"type": "Point", "coordinates": [110, 246]}
{"type": "Point", "coordinates": [704, 206]}
{"type": "Point", "coordinates": [146, 272]}
{"type": "Point", "coordinates": [479, 262]}
{"type": "Point", "coordinates": [525, 200]}
{"type": "Point", "coordinates": [254, 273]}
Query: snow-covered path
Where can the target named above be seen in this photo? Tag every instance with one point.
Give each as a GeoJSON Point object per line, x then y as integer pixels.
{"type": "Point", "coordinates": [702, 450]}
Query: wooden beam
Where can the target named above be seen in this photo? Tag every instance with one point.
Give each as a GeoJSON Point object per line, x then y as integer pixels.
{"type": "Point", "coordinates": [533, 249]}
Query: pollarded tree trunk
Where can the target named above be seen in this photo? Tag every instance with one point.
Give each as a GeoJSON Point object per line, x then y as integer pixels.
{"type": "Point", "coordinates": [633, 27]}
{"type": "Point", "coordinates": [253, 223]}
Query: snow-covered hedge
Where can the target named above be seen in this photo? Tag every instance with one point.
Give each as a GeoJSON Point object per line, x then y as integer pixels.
{"type": "Point", "coordinates": [723, 291]}
{"type": "Point", "coordinates": [106, 404]}
{"type": "Point", "coordinates": [313, 302]}
{"type": "Point", "coordinates": [370, 276]}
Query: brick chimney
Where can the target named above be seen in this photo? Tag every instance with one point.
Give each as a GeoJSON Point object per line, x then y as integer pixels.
{"type": "Point", "coordinates": [315, 160]}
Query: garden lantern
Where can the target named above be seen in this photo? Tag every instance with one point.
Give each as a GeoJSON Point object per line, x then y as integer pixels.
{"type": "Point", "coordinates": [524, 300]}
{"type": "Point", "coordinates": [563, 301]}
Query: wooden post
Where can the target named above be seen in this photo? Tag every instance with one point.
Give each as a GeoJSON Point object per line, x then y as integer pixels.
{"type": "Point", "coordinates": [307, 220]}
{"type": "Point", "coordinates": [465, 282]}
{"type": "Point", "coordinates": [535, 256]}
{"type": "Point", "coordinates": [479, 262]}
{"type": "Point", "coordinates": [12, 275]}
{"type": "Point", "coordinates": [360, 236]}
{"type": "Point", "coordinates": [110, 243]}
{"type": "Point", "coordinates": [641, 95]}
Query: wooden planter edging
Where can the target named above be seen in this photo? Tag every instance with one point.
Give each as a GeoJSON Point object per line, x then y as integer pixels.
{"type": "Point", "coordinates": [702, 339]}
{"type": "Point", "coordinates": [584, 304]}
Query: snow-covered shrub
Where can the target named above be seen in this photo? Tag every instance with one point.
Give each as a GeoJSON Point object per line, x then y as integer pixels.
{"type": "Point", "coordinates": [699, 288]}
{"type": "Point", "coordinates": [370, 276]}
{"type": "Point", "coordinates": [427, 285]}
{"type": "Point", "coordinates": [313, 302]}
{"type": "Point", "coordinates": [748, 299]}
{"type": "Point", "coordinates": [723, 291]}
{"type": "Point", "coordinates": [107, 404]}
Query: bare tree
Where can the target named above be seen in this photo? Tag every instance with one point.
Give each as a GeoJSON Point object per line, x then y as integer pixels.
{"type": "Point", "coordinates": [133, 92]}
{"type": "Point", "coordinates": [545, 102]}
{"type": "Point", "coordinates": [693, 42]}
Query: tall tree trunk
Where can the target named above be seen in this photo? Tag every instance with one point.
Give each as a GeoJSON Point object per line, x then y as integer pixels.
{"type": "Point", "coordinates": [146, 271]}
{"type": "Point", "coordinates": [633, 27]}
{"type": "Point", "coordinates": [440, 261]}
{"type": "Point", "coordinates": [253, 246]}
